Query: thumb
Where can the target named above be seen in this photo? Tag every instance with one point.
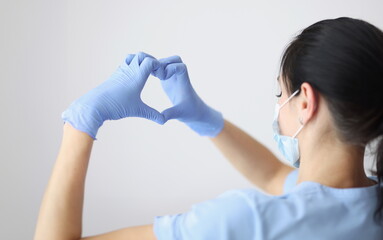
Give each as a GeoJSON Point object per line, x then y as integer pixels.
{"type": "Point", "coordinates": [152, 114]}
{"type": "Point", "coordinates": [174, 112]}
{"type": "Point", "coordinates": [175, 68]}
{"type": "Point", "coordinates": [148, 65]}
{"type": "Point", "coordinates": [159, 72]}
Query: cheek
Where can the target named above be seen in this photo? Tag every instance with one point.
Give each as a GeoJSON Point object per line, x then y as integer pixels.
{"type": "Point", "coordinates": [286, 121]}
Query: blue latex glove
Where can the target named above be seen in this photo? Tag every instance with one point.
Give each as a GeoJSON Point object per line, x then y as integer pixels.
{"type": "Point", "coordinates": [188, 107]}
{"type": "Point", "coordinates": [118, 97]}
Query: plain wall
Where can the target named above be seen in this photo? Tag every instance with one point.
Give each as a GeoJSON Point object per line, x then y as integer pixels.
{"type": "Point", "coordinates": [52, 52]}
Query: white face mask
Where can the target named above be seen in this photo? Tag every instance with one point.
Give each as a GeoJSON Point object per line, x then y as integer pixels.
{"type": "Point", "coordinates": [288, 146]}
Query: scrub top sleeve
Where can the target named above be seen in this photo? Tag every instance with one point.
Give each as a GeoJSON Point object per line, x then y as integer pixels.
{"type": "Point", "coordinates": [229, 216]}
{"type": "Point", "coordinates": [291, 181]}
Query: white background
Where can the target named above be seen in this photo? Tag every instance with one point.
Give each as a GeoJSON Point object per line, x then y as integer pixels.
{"type": "Point", "coordinates": [52, 52]}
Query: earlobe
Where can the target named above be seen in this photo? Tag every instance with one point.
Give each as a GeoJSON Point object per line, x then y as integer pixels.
{"type": "Point", "coordinates": [301, 121]}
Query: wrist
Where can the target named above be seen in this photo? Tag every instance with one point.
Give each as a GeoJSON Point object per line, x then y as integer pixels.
{"type": "Point", "coordinates": [83, 119]}
{"type": "Point", "coordinates": [210, 125]}
{"type": "Point", "coordinates": [73, 133]}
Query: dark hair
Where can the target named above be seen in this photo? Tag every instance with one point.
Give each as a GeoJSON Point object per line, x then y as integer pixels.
{"type": "Point", "coordinates": [342, 59]}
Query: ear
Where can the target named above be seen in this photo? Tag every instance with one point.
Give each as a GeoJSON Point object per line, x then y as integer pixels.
{"type": "Point", "coordinates": [308, 102]}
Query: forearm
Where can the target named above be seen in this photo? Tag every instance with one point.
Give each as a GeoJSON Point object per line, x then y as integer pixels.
{"type": "Point", "coordinates": [60, 215]}
{"type": "Point", "coordinates": [257, 163]}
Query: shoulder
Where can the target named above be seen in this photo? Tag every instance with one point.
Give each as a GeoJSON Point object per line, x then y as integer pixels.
{"type": "Point", "coordinates": [234, 207]}
{"type": "Point", "coordinates": [232, 213]}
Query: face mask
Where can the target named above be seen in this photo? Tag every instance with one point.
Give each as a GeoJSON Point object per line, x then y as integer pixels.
{"type": "Point", "coordinates": [288, 146]}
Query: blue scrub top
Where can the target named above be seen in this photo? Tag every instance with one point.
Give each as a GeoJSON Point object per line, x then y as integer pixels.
{"type": "Point", "coordinates": [308, 210]}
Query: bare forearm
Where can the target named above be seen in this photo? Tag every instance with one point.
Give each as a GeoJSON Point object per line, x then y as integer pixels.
{"type": "Point", "coordinates": [248, 156]}
{"type": "Point", "coordinates": [61, 210]}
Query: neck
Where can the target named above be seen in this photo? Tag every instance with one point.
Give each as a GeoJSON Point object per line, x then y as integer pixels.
{"type": "Point", "coordinates": [335, 165]}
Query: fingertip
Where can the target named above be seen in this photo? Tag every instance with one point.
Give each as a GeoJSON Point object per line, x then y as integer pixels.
{"type": "Point", "coordinates": [159, 72]}
{"type": "Point", "coordinates": [176, 59]}
{"type": "Point", "coordinates": [141, 56]}
{"type": "Point", "coordinates": [161, 122]}
{"type": "Point", "coordinates": [171, 59]}
{"type": "Point", "coordinates": [171, 113]}
{"type": "Point", "coordinates": [160, 119]}
{"type": "Point", "coordinates": [166, 117]}
{"type": "Point", "coordinates": [150, 65]}
{"type": "Point", "coordinates": [175, 68]}
{"type": "Point", "coordinates": [165, 121]}
{"type": "Point", "coordinates": [181, 68]}
{"type": "Point", "coordinates": [129, 59]}
{"type": "Point", "coordinates": [156, 65]}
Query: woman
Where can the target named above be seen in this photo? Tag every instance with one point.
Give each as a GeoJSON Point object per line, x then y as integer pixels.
{"type": "Point", "coordinates": [329, 109]}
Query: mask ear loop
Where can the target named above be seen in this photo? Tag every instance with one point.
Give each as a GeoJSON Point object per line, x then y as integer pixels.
{"type": "Point", "coordinates": [300, 128]}
{"type": "Point", "coordinates": [302, 125]}
{"type": "Point", "coordinates": [288, 99]}
{"type": "Point", "coordinates": [300, 120]}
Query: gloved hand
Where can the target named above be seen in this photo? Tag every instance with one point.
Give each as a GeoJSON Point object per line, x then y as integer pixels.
{"type": "Point", "coordinates": [118, 97]}
{"type": "Point", "coordinates": [188, 106]}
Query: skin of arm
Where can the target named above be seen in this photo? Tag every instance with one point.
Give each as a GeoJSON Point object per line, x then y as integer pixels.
{"type": "Point", "coordinates": [61, 210]}
{"type": "Point", "coordinates": [60, 216]}
{"type": "Point", "coordinates": [260, 166]}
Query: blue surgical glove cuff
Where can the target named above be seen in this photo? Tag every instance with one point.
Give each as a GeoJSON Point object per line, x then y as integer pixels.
{"type": "Point", "coordinates": [80, 118]}
{"type": "Point", "coordinates": [211, 124]}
